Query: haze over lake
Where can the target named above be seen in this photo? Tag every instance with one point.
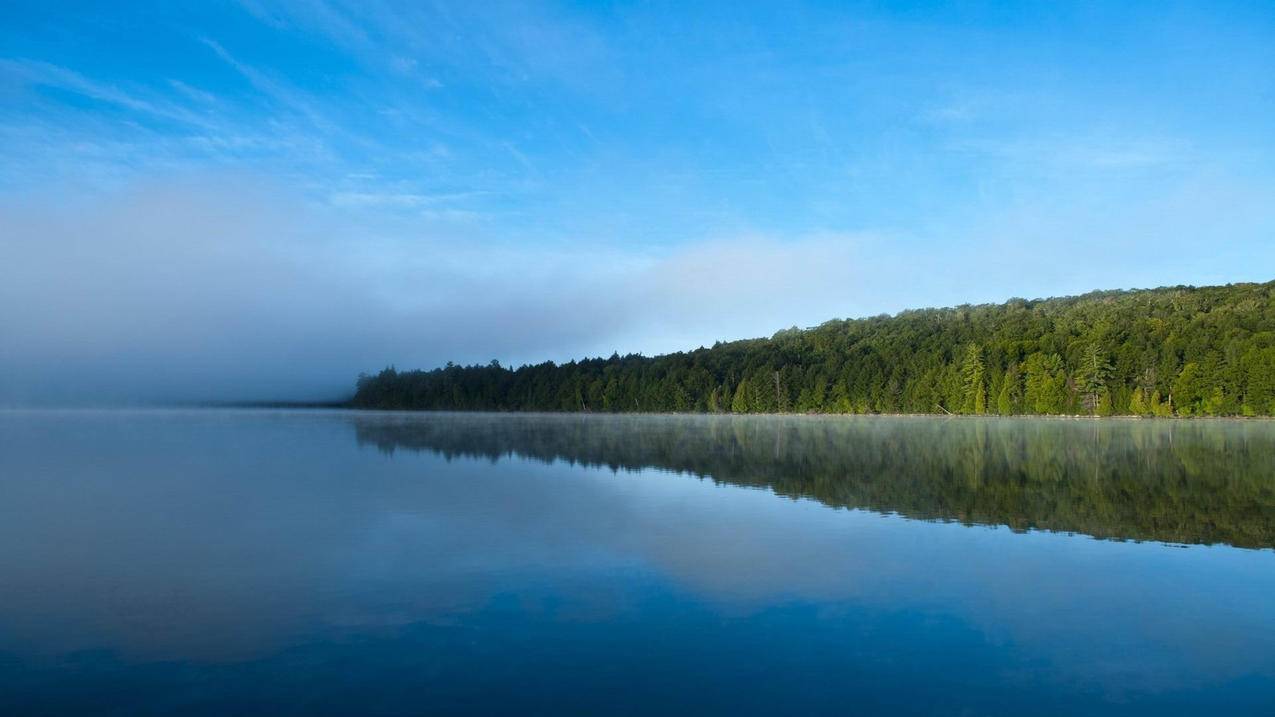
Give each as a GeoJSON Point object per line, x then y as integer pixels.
{"type": "Point", "coordinates": [214, 562]}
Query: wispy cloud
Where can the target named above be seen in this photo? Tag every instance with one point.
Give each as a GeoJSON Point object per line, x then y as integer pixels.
{"type": "Point", "coordinates": [193, 93]}
{"type": "Point", "coordinates": [287, 100]}
{"type": "Point", "coordinates": [1093, 150]}
{"type": "Point", "coordinates": [37, 73]}
{"type": "Point", "coordinates": [381, 199]}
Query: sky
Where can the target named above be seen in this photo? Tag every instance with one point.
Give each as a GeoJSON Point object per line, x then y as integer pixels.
{"type": "Point", "coordinates": [259, 199]}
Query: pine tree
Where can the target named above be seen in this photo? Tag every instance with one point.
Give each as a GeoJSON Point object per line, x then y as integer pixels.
{"type": "Point", "coordinates": [1046, 383]}
{"type": "Point", "coordinates": [740, 402]}
{"type": "Point", "coordinates": [781, 395]}
{"type": "Point", "coordinates": [1092, 378]}
{"type": "Point", "coordinates": [1005, 401]}
{"type": "Point", "coordinates": [975, 392]}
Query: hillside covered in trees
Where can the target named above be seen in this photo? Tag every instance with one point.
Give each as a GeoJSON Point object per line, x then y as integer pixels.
{"type": "Point", "coordinates": [1180, 351]}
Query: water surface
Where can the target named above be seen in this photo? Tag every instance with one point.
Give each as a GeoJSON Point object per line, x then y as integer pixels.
{"type": "Point", "coordinates": [275, 562]}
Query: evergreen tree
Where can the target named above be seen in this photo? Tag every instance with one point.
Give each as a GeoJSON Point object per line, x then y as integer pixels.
{"type": "Point", "coordinates": [1091, 380]}
{"type": "Point", "coordinates": [1046, 383]}
{"type": "Point", "coordinates": [1005, 401]}
{"type": "Point", "coordinates": [740, 403]}
{"type": "Point", "coordinates": [972, 369]}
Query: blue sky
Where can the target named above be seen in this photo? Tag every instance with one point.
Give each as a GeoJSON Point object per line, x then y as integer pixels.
{"type": "Point", "coordinates": [224, 191]}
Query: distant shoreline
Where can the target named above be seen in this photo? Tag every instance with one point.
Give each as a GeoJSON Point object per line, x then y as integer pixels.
{"type": "Point", "coordinates": [339, 406]}
{"type": "Point", "coordinates": [1069, 417]}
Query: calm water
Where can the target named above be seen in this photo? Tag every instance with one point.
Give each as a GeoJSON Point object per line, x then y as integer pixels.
{"type": "Point", "coordinates": [235, 562]}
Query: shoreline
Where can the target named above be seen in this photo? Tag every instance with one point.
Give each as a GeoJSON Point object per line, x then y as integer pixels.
{"type": "Point", "coordinates": [345, 407]}
{"type": "Point", "coordinates": [986, 416]}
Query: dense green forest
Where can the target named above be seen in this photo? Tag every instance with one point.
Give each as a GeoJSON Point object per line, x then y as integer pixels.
{"type": "Point", "coordinates": [1181, 482]}
{"type": "Point", "coordinates": [1179, 351]}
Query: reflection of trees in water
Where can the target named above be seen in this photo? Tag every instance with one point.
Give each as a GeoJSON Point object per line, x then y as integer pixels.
{"type": "Point", "coordinates": [1185, 482]}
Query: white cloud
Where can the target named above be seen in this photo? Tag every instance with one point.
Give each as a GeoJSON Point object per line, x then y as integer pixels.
{"type": "Point", "coordinates": [1092, 151]}
{"type": "Point", "coordinates": [399, 200]}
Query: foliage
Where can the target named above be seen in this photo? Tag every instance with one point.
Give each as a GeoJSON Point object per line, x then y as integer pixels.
{"type": "Point", "coordinates": [1173, 351]}
{"type": "Point", "coordinates": [1091, 380]}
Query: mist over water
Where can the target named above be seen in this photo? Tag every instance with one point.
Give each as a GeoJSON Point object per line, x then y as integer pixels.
{"type": "Point", "coordinates": [308, 561]}
{"type": "Point", "coordinates": [235, 289]}
{"type": "Point", "coordinates": [1126, 479]}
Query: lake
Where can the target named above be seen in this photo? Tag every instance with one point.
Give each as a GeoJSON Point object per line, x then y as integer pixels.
{"type": "Point", "coordinates": [330, 562]}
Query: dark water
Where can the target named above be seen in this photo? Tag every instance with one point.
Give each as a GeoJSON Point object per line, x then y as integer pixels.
{"type": "Point", "coordinates": [322, 562]}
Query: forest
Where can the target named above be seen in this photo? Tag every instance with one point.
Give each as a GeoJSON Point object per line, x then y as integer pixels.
{"type": "Point", "coordinates": [1174, 351]}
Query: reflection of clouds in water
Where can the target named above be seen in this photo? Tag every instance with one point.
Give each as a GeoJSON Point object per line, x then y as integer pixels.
{"type": "Point", "coordinates": [214, 536]}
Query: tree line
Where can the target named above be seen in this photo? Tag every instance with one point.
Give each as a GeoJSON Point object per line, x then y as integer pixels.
{"type": "Point", "coordinates": [1176, 351]}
